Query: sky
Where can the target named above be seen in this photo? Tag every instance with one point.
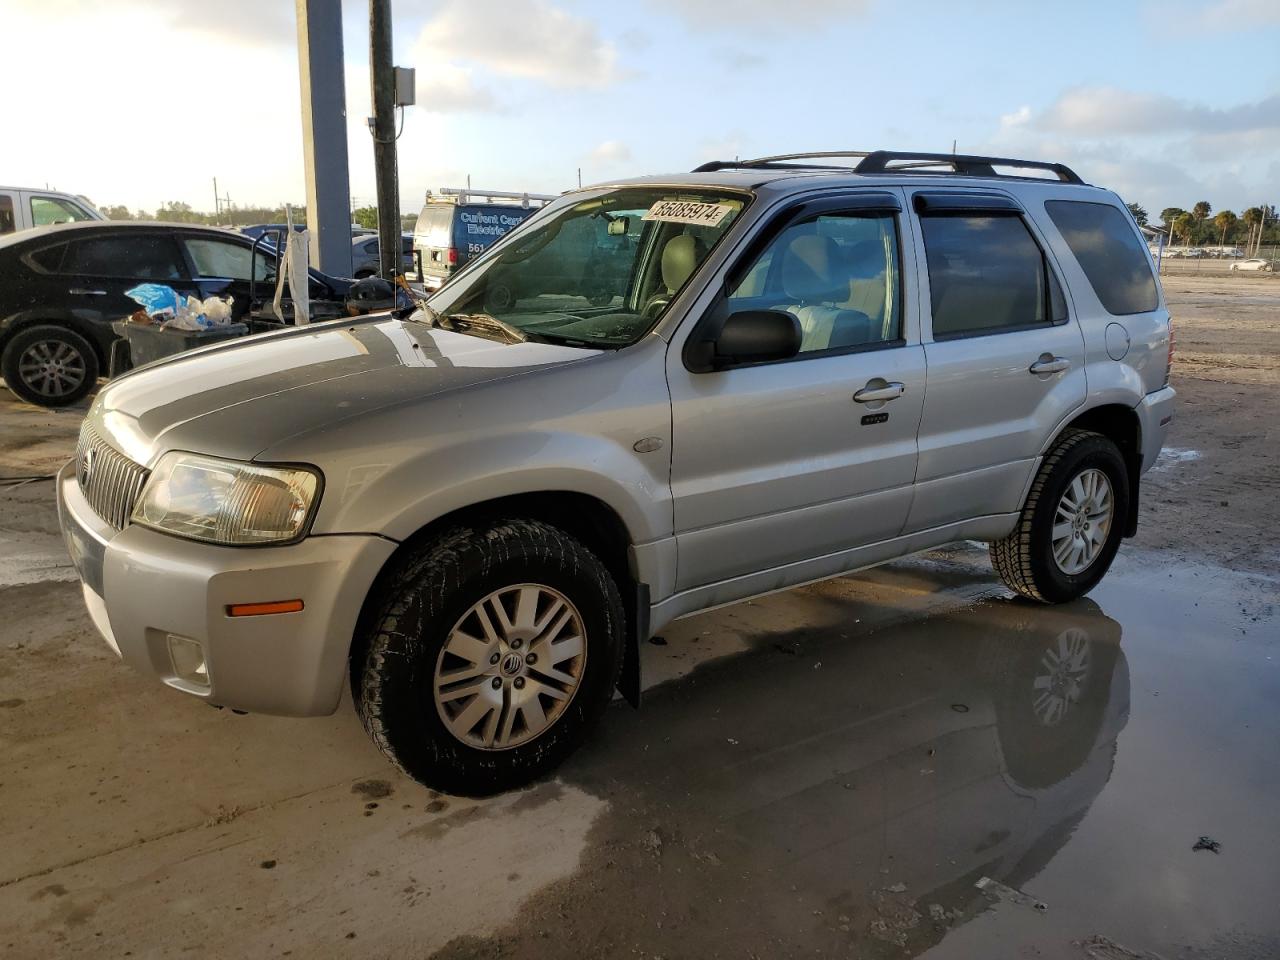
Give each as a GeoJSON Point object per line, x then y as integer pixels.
{"type": "Point", "coordinates": [139, 102]}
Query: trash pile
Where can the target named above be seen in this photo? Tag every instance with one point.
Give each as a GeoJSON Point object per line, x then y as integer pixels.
{"type": "Point", "coordinates": [169, 309]}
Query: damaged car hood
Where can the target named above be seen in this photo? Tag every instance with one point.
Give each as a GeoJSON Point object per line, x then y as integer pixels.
{"type": "Point", "coordinates": [238, 398]}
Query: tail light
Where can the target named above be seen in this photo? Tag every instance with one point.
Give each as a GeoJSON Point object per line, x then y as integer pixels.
{"type": "Point", "coordinates": [452, 255]}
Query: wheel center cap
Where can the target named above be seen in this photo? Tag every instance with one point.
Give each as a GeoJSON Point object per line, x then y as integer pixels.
{"type": "Point", "coordinates": [512, 664]}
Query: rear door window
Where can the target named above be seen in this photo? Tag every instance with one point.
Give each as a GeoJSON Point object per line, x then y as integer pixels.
{"type": "Point", "coordinates": [48, 259]}
{"type": "Point", "coordinates": [129, 256]}
{"type": "Point", "coordinates": [1109, 252]}
{"type": "Point", "coordinates": [987, 275]}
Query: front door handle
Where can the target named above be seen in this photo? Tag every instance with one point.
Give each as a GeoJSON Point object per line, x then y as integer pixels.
{"type": "Point", "coordinates": [81, 292]}
{"type": "Point", "coordinates": [1048, 363]}
{"type": "Point", "coordinates": [890, 391]}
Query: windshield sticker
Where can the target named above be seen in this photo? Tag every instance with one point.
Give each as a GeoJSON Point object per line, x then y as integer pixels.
{"type": "Point", "coordinates": [688, 211]}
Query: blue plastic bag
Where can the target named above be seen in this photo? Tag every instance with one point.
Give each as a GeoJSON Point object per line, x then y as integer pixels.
{"type": "Point", "coordinates": [156, 299]}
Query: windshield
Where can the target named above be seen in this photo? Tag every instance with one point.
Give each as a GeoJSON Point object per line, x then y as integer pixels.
{"type": "Point", "coordinates": [600, 271]}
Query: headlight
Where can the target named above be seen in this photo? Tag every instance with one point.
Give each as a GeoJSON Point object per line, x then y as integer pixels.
{"type": "Point", "coordinates": [224, 501]}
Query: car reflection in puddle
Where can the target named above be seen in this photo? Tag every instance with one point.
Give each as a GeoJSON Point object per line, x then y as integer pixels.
{"type": "Point", "coordinates": [853, 795]}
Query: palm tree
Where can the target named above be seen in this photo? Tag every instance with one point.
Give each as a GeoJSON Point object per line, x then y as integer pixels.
{"type": "Point", "coordinates": [1139, 213]}
{"type": "Point", "coordinates": [1184, 224]}
{"type": "Point", "coordinates": [1252, 218]}
{"type": "Point", "coordinates": [1224, 221]}
{"type": "Point", "coordinates": [1201, 210]}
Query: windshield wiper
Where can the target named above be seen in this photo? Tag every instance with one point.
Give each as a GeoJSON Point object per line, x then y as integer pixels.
{"type": "Point", "coordinates": [482, 322]}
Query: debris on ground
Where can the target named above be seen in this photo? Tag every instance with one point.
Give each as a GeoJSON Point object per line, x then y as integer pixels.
{"type": "Point", "coordinates": [372, 789]}
{"type": "Point", "coordinates": [1099, 947]}
{"type": "Point", "coordinates": [895, 917]}
{"type": "Point", "coordinates": [1010, 895]}
{"type": "Point", "coordinates": [658, 641]}
{"type": "Point", "coordinates": [1208, 843]}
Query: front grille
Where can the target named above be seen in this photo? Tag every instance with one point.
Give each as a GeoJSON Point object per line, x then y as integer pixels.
{"type": "Point", "coordinates": [109, 480]}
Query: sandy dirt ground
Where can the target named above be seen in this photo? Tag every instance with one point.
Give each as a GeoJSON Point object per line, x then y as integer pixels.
{"type": "Point", "coordinates": [899, 763]}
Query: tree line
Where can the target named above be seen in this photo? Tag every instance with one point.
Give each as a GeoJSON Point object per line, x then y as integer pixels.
{"type": "Point", "coordinates": [1250, 228]}
{"type": "Point", "coordinates": [175, 211]}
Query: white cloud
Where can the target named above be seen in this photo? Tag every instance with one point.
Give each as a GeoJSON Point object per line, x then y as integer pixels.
{"type": "Point", "coordinates": [1019, 118]}
{"type": "Point", "coordinates": [1157, 150]}
{"type": "Point", "coordinates": [1223, 16]}
{"type": "Point", "coordinates": [728, 14]}
{"type": "Point", "coordinates": [1105, 111]}
{"type": "Point", "coordinates": [448, 88]}
{"type": "Point", "coordinates": [610, 152]}
{"type": "Point", "coordinates": [529, 39]}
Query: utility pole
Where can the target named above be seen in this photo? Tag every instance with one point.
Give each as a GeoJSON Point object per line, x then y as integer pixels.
{"type": "Point", "coordinates": [383, 82]}
{"type": "Point", "coordinates": [324, 133]}
{"type": "Point", "coordinates": [217, 203]}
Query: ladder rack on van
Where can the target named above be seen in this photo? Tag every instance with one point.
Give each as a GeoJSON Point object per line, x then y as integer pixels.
{"type": "Point", "coordinates": [894, 161]}
{"type": "Point", "coordinates": [463, 195]}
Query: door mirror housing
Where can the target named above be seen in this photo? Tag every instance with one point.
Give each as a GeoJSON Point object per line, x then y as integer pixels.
{"type": "Point", "coordinates": [749, 336]}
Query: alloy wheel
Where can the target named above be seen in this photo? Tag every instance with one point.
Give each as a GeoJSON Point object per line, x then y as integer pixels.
{"type": "Point", "coordinates": [1082, 521]}
{"type": "Point", "coordinates": [52, 368]}
{"type": "Point", "coordinates": [510, 666]}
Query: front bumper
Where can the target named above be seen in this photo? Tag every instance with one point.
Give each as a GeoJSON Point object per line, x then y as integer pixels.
{"type": "Point", "coordinates": [1155, 413]}
{"type": "Point", "coordinates": [142, 586]}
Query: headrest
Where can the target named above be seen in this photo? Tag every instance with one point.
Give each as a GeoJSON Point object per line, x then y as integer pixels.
{"type": "Point", "coordinates": [679, 259]}
{"type": "Point", "coordinates": [812, 272]}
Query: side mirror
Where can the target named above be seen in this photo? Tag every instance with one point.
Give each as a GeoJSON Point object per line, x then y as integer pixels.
{"type": "Point", "coordinates": [751, 336]}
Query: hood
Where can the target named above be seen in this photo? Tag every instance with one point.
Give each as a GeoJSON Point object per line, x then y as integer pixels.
{"type": "Point", "coordinates": [239, 398]}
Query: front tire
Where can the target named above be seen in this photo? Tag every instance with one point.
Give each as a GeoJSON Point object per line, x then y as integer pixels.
{"type": "Point", "coordinates": [1071, 524]}
{"type": "Point", "coordinates": [489, 655]}
{"type": "Point", "coordinates": [49, 365]}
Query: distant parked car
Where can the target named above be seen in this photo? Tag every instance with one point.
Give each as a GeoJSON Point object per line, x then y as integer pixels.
{"type": "Point", "coordinates": [364, 255]}
{"type": "Point", "coordinates": [61, 288]}
{"type": "Point", "coordinates": [1254, 263]}
{"type": "Point", "coordinates": [25, 208]}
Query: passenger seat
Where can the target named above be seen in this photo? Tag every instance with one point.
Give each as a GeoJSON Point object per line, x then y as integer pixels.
{"type": "Point", "coordinates": [815, 276]}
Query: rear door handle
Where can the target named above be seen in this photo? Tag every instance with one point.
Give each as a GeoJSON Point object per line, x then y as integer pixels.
{"type": "Point", "coordinates": [890, 391]}
{"type": "Point", "coordinates": [1048, 363]}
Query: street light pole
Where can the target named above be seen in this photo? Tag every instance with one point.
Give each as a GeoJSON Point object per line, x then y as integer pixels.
{"type": "Point", "coordinates": [383, 84]}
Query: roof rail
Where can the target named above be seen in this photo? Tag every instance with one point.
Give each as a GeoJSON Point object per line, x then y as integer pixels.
{"type": "Point", "coordinates": [960, 163]}
{"type": "Point", "coordinates": [893, 161]}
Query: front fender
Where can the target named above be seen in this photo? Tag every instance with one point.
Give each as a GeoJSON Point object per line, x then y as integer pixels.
{"type": "Point", "coordinates": [399, 499]}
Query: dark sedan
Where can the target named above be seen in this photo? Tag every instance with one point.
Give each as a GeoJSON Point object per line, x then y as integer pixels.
{"type": "Point", "coordinates": [61, 287]}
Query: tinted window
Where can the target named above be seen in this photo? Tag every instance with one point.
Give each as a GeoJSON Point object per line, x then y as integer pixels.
{"type": "Point", "coordinates": [50, 258]}
{"type": "Point", "coordinates": [126, 255]}
{"type": "Point", "coordinates": [986, 274]}
{"type": "Point", "coordinates": [1109, 252]}
{"type": "Point", "coordinates": [837, 274]}
{"type": "Point", "coordinates": [219, 259]}
{"type": "Point", "coordinates": [8, 223]}
{"type": "Point", "coordinates": [48, 210]}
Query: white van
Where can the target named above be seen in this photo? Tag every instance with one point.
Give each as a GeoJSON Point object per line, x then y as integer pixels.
{"type": "Point", "coordinates": [22, 208]}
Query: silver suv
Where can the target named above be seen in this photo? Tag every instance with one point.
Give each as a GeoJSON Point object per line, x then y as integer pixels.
{"type": "Point", "coordinates": [651, 398]}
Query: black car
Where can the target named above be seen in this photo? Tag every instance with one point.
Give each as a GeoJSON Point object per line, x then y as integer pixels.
{"type": "Point", "coordinates": [61, 287]}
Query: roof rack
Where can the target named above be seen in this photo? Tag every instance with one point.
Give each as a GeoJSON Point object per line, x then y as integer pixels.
{"type": "Point", "coordinates": [465, 195]}
{"type": "Point", "coordinates": [894, 161]}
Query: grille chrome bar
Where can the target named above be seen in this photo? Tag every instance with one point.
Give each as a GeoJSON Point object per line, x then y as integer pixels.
{"type": "Point", "coordinates": [109, 480]}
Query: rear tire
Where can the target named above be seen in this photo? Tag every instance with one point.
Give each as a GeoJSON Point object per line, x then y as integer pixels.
{"type": "Point", "coordinates": [49, 365]}
{"type": "Point", "coordinates": [466, 703]}
{"type": "Point", "coordinates": [1057, 553]}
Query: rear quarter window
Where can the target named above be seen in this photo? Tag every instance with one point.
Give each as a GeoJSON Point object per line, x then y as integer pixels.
{"type": "Point", "coordinates": [1109, 252]}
